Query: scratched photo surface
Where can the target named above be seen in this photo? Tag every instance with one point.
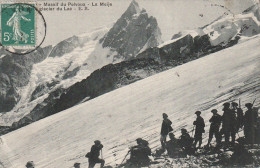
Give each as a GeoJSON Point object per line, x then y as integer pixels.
{"type": "Point", "coordinates": [129, 83]}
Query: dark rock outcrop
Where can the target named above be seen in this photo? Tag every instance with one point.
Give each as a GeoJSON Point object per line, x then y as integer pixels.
{"type": "Point", "coordinates": [15, 71]}
{"type": "Point", "coordinates": [133, 32]}
{"type": "Point", "coordinates": [42, 89]}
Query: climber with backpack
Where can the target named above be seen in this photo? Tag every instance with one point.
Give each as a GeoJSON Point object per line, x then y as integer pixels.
{"type": "Point", "coordinates": [93, 155]}
{"type": "Point", "coordinates": [165, 130]}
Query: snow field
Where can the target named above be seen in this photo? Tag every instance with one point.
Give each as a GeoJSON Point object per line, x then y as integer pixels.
{"type": "Point", "coordinates": [119, 117]}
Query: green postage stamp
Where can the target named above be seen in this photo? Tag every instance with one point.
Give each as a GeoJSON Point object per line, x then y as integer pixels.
{"type": "Point", "coordinates": [17, 24]}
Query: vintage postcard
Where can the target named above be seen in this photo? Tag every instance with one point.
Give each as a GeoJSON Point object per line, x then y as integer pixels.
{"type": "Point", "coordinates": [129, 83]}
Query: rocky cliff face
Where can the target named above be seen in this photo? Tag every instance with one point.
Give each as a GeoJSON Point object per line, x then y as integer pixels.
{"type": "Point", "coordinates": [133, 32]}
{"type": "Point", "coordinates": [15, 71]}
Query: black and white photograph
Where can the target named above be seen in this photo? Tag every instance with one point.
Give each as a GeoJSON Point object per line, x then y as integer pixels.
{"type": "Point", "coordinates": [129, 83]}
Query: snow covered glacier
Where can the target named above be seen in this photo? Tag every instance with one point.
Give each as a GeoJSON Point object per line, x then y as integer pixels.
{"type": "Point", "coordinates": [74, 59]}
{"type": "Point", "coordinates": [119, 117]}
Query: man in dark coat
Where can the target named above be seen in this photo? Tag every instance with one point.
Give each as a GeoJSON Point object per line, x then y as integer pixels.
{"type": "Point", "coordinates": [229, 123]}
{"type": "Point", "coordinates": [215, 121]}
{"type": "Point", "coordinates": [172, 145]}
{"type": "Point", "coordinates": [93, 155]}
{"type": "Point", "coordinates": [240, 115]}
{"type": "Point", "coordinates": [250, 123]}
{"type": "Point", "coordinates": [139, 154]}
{"type": "Point", "coordinates": [199, 130]}
{"type": "Point", "coordinates": [185, 142]}
{"type": "Point", "coordinates": [166, 128]}
{"type": "Point", "coordinates": [233, 121]}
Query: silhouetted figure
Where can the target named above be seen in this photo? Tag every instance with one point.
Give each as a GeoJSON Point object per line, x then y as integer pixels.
{"type": "Point", "coordinates": [250, 123]}
{"type": "Point", "coordinates": [93, 155]}
{"type": "Point", "coordinates": [229, 123]}
{"type": "Point", "coordinates": [185, 142]}
{"type": "Point", "coordinates": [240, 116]}
{"type": "Point", "coordinates": [233, 123]}
{"type": "Point", "coordinates": [166, 128]}
{"type": "Point", "coordinates": [172, 145]}
{"type": "Point", "coordinates": [199, 130]}
{"type": "Point", "coordinates": [215, 121]}
{"type": "Point", "coordinates": [257, 131]}
{"type": "Point", "coordinates": [139, 154]}
{"type": "Point", "coordinates": [30, 164]}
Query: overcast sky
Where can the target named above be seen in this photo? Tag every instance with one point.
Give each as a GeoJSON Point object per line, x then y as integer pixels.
{"type": "Point", "coordinates": [172, 16]}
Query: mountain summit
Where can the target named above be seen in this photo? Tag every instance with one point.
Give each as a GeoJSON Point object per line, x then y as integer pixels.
{"type": "Point", "coordinates": [133, 8]}
{"type": "Point", "coordinates": [134, 31]}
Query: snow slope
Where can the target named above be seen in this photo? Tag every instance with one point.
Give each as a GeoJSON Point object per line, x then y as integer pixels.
{"type": "Point", "coordinates": [226, 27]}
{"type": "Point", "coordinates": [119, 117]}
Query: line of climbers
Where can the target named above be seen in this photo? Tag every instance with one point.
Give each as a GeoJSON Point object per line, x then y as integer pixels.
{"type": "Point", "coordinates": [232, 121]}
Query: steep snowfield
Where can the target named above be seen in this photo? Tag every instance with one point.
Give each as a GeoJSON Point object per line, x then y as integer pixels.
{"type": "Point", "coordinates": [119, 117]}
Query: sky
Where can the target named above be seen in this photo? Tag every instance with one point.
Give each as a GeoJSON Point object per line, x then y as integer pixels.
{"type": "Point", "coordinates": [172, 16]}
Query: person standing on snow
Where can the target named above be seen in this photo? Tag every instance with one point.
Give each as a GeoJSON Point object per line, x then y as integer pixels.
{"type": "Point", "coordinates": [93, 155]}
{"type": "Point", "coordinates": [215, 121]}
{"type": "Point", "coordinates": [199, 130]}
{"type": "Point", "coordinates": [233, 123]}
{"type": "Point", "coordinates": [240, 115]}
{"type": "Point", "coordinates": [166, 128]}
{"type": "Point", "coordinates": [226, 122]}
{"type": "Point", "coordinates": [250, 123]}
{"type": "Point", "coordinates": [229, 123]}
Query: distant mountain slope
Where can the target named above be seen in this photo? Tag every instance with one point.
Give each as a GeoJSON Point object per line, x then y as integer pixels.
{"type": "Point", "coordinates": [15, 71]}
{"type": "Point", "coordinates": [228, 27]}
{"type": "Point", "coordinates": [185, 47]}
{"type": "Point", "coordinates": [74, 59]}
{"type": "Point", "coordinates": [41, 72]}
{"type": "Point", "coordinates": [119, 117]}
{"type": "Point", "coordinates": [133, 32]}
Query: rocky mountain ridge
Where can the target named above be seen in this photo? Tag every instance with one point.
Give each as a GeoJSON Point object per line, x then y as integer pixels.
{"type": "Point", "coordinates": [184, 47]}
{"type": "Point", "coordinates": [74, 59]}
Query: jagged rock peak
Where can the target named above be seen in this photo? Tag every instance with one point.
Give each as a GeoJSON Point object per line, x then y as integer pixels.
{"type": "Point", "coordinates": [133, 7]}
{"type": "Point", "coordinates": [133, 32]}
